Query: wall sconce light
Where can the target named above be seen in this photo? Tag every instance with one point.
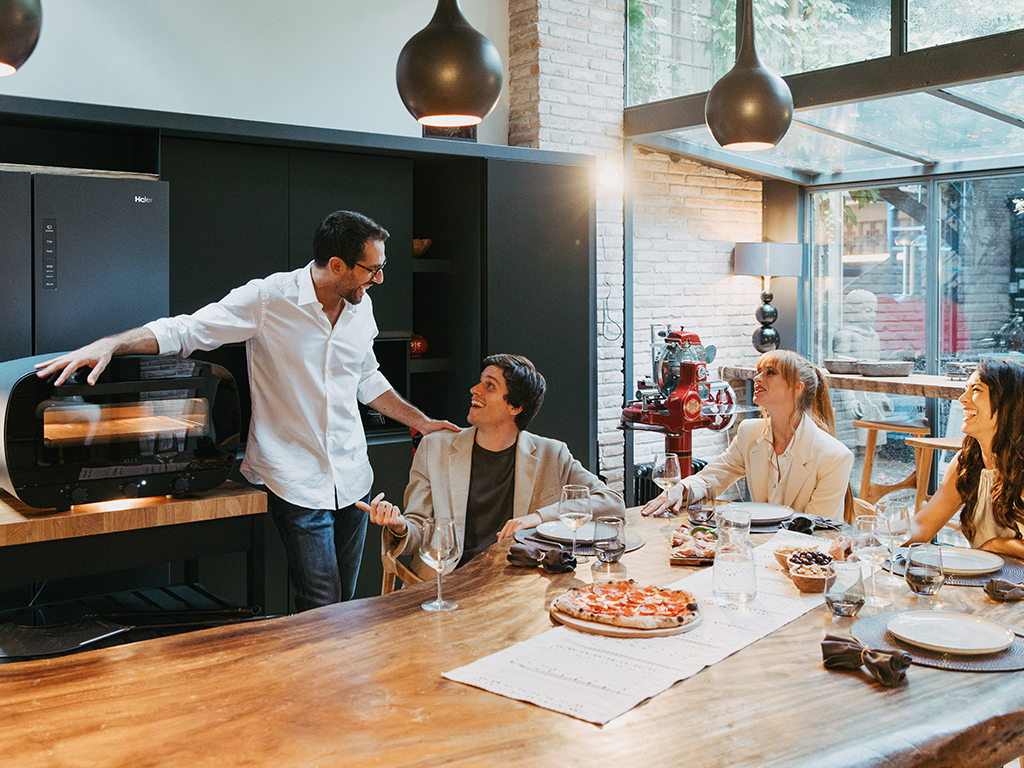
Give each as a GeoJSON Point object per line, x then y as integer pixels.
{"type": "Point", "coordinates": [750, 107]}
{"type": "Point", "coordinates": [768, 260]}
{"type": "Point", "coordinates": [20, 22]}
{"type": "Point", "coordinates": [448, 73]}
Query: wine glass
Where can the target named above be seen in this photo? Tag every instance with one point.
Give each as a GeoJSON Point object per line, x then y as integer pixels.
{"type": "Point", "coordinates": [925, 573]}
{"type": "Point", "coordinates": [666, 474]}
{"type": "Point", "coordinates": [897, 518]}
{"type": "Point", "coordinates": [574, 511]}
{"type": "Point", "coordinates": [844, 591]}
{"type": "Point", "coordinates": [869, 534]}
{"type": "Point", "coordinates": [440, 548]}
{"type": "Point", "coordinates": [701, 511]}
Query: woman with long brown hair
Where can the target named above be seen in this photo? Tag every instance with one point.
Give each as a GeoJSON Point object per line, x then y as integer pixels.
{"type": "Point", "coordinates": [789, 456]}
{"type": "Point", "coordinates": [986, 478]}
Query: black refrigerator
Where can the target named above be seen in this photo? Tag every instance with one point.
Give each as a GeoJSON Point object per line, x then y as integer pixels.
{"type": "Point", "coordinates": [82, 257]}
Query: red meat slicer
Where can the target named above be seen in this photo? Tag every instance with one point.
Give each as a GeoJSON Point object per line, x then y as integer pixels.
{"type": "Point", "coordinates": [682, 398]}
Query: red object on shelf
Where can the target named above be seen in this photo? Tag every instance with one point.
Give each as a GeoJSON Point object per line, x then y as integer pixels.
{"type": "Point", "coordinates": [417, 345]}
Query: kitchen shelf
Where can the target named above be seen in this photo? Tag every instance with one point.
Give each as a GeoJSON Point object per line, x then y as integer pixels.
{"type": "Point", "coordinates": [430, 364]}
{"type": "Point", "coordinates": [443, 266]}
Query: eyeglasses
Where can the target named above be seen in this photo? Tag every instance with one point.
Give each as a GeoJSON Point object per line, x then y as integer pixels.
{"type": "Point", "coordinates": [373, 272]}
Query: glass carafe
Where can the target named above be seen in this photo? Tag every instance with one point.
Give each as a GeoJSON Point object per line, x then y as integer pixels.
{"type": "Point", "coordinates": [733, 578]}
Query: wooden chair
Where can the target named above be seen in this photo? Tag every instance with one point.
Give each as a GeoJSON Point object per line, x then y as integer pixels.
{"type": "Point", "coordinates": [924, 448]}
{"type": "Point", "coordinates": [392, 567]}
{"type": "Point", "coordinates": [872, 492]}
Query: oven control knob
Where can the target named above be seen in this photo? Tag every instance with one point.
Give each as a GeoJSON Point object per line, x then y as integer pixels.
{"type": "Point", "coordinates": [181, 485]}
{"type": "Point", "coordinates": [79, 496]}
{"type": "Point", "coordinates": [131, 490]}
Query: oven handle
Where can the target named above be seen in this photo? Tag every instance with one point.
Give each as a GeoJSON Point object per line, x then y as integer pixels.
{"type": "Point", "coordinates": [129, 387]}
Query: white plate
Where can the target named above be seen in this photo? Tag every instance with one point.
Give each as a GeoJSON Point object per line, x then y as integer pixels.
{"type": "Point", "coordinates": [556, 530]}
{"type": "Point", "coordinates": [762, 513]}
{"type": "Point", "coordinates": [958, 633]}
{"type": "Point", "coordinates": [961, 561]}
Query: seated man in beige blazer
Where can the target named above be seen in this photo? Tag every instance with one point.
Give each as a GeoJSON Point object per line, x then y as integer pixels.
{"type": "Point", "coordinates": [494, 478]}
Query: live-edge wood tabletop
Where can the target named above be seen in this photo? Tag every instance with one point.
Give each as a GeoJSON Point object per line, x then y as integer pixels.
{"type": "Point", "coordinates": [359, 684]}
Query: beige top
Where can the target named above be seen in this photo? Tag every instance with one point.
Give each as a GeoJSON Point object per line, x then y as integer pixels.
{"type": "Point", "coordinates": [985, 525]}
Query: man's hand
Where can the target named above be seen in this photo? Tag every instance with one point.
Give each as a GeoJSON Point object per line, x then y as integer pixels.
{"type": "Point", "coordinates": [138, 341]}
{"type": "Point", "coordinates": [96, 356]}
{"type": "Point", "coordinates": [385, 513]}
{"type": "Point", "coordinates": [436, 425]}
{"type": "Point", "coordinates": [519, 523]}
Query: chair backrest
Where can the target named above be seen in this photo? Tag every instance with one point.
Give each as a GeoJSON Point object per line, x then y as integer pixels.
{"type": "Point", "coordinates": [861, 507]}
{"type": "Point", "coordinates": [392, 567]}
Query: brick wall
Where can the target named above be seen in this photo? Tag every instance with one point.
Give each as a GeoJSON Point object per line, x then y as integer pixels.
{"type": "Point", "coordinates": [566, 92]}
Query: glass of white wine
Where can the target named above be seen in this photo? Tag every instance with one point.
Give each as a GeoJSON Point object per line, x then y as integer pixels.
{"type": "Point", "coordinates": [869, 545]}
{"type": "Point", "coordinates": [574, 511]}
{"type": "Point", "coordinates": [666, 474]}
{"type": "Point", "coordinates": [439, 548]}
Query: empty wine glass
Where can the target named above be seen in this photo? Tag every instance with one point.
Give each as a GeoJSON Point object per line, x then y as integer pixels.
{"type": "Point", "coordinates": [925, 574]}
{"type": "Point", "coordinates": [869, 535]}
{"type": "Point", "coordinates": [439, 548]}
{"type": "Point", "coordinates": [844, 591]}
{"type": "Point", "coordinates": [701, 511]}
{"type": "Point", "coordinates": [666, 474]}
{"type": "Point", "coordinates": [897, 517]}
{"type": "Point", "coordinates": [574, 511]}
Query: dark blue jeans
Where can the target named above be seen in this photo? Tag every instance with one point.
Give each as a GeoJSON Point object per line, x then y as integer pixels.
{"type": "Point", "coordinates": [324, 548]}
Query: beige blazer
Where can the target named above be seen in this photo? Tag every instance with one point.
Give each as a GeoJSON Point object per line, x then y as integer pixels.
{"type": "Point", "coordinates": [816, 481]}
{"type": "Point", "coordinates": [439, 485]}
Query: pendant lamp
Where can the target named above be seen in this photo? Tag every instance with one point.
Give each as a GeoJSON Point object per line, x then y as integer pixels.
{"type": "Point", "coordinates": [20, 21]}
{"type": "Point", "coordinates": [750, 107]}
{"type": "Point", "coordinates": [448, 73]}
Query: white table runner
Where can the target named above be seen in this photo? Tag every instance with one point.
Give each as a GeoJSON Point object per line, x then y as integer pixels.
{"type": "Point", "coordinates": [597, 678]}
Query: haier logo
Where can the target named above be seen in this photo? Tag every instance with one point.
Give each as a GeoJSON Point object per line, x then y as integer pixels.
{"type": "Point", "coordinates": [141, 199]}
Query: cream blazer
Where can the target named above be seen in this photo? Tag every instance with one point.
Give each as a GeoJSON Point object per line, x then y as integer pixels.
{"type": "Point", "coordinates": [439, 485]}
{"type": "Point", "coordinates": [816, 481]}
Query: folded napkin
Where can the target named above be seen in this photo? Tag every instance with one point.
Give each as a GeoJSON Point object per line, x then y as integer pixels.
{"type": "Point", "coordinates": [532, 556]}
{"type": "Point", "coordinates": [887, 667]}
{"type": "Point", "coordinates": [810, 524]}
{"type": "Point", "coordinates": [1003, 589]}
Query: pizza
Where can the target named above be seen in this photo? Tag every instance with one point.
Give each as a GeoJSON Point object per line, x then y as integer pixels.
{"type": "Point", "coordinates": [698, 542]}
{"type": "Point", "coordinates": [627, 604]}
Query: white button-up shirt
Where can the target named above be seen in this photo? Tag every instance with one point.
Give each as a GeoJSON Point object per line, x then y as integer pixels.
{"type": "Point", "coordinates": [306, 439]}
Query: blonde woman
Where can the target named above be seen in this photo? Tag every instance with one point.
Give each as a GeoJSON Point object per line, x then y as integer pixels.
{"type": "Point", "coordinates": [789, 456]}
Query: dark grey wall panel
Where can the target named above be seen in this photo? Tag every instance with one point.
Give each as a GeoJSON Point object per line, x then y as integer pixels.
{"type": "Point", "coordinates": [229, 217]}
{"type": "Point", "coordinates": [15, 265]}
{"type": "Point", "coordinates": [540, 288]}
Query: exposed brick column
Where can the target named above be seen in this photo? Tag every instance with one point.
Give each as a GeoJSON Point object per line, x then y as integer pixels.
{"type": "Point", "coordinates": [566, 93]}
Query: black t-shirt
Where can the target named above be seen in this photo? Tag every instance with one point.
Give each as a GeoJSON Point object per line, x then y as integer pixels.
{"type": "Point", "coordinates": [492, 482]}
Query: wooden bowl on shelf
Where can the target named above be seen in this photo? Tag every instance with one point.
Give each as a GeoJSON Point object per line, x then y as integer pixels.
{"type": "Point", "coordinates": [419, 246]}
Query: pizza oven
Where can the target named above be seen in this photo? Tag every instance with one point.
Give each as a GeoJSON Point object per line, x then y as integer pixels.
{"type": "Point", "coordinates": [150, 426]}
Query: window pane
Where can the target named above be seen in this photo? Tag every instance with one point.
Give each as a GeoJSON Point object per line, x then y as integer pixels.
{"type": "Point", "coordinates": [678, 47]}
{"type": "Point", "coordinates": [937, 22]}
{"type": "Point", "coordinates": [870, 252]}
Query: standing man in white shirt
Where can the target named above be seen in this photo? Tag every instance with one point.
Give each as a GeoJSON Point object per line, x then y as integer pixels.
{"type": "Point", "coordinates": [309, 342]}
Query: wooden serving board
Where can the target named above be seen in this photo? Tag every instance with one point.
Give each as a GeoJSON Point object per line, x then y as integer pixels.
{"type": "Point", "coordinates": [596, 628]}
{"type": "Point", "coordinates": [683, 560]}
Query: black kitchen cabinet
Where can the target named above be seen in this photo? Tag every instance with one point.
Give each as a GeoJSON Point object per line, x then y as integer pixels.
{"type": "Point", "coordinates": [229, 216]}
{"type": "Point", "coordinates": [540, 287]}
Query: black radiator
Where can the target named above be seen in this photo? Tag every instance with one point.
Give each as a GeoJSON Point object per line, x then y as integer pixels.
{"type": "Point", "coordinates": [644, 488]}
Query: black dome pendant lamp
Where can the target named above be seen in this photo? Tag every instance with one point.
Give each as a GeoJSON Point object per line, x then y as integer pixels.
{"type": "Point", "coordinates": [750, 107]}
{"type": "Point", "coordinates": [448, 73]}
{"type": "Point", "coordinates": [20, 21]}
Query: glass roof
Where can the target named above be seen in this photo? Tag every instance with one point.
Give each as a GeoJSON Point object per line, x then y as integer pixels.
{"type": "Point", "coordinates": [960, 128]}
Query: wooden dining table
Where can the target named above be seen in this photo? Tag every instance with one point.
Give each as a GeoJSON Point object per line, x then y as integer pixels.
{"type": "Point", "coordinates": [360, 684]}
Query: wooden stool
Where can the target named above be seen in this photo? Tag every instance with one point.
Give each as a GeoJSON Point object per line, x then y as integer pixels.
{"type": "Point", "coordinates": [924, 447]}
{"type": "Point", "coordinates": [872, 492]}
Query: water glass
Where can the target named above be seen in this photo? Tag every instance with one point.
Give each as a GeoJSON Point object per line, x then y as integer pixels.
{"type": "Point", "coordinates": [844, 590]}
{"type": "Point", "coordinates": [897, 516]}
{"type": "Point", "coordinates": [733, 577]}
{"type": "Point", "coordinates": [609, 539]}
{"type": "Point", "coordinates": [701, 511]}
{"type": "Point", "coordinates": [925, 574]}
{"type": "Point", "coordinates": [869, 545]}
